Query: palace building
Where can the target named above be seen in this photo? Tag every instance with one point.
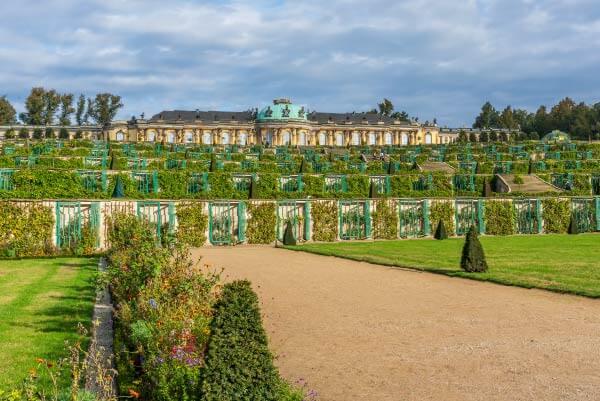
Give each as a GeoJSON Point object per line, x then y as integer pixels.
{"type": "Point", "coordinates": [279, 124]}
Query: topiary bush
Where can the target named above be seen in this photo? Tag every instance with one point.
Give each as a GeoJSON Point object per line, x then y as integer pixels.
{"type": "Point", "coordinates": [473, 257]}
{"type": "Point", "coordinates": [440, 231]}
{"type": "Point", "coordinates": [325, 220]}
{"type": "Point", "coordinates": [288, 235]}
{"type": "Point", "coordinates": [442, 210]}
{"type": "Point", "coordinates": [262, 224]}
{"type": "Point", "coordinates": [239, 365]}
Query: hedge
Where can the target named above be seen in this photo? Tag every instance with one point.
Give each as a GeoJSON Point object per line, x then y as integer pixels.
{"type": "Point", "coordinates": [556, 214]}
{"type": "Point", "coordinates": [261, 226]}
{"type": "Point", "coordinates": [384, 220]}
{"type": "Point", "coordinates": [442, 210]}
{"type": "Point", "coordinates": [191, 224]}
{"type": "Point", "coordinates": [499, 218]}
{"type": "Point", "coordinates": [325, 221]}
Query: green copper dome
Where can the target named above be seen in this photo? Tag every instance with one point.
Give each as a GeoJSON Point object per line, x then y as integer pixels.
{"type": "Point", "coordinates": [282, 110]}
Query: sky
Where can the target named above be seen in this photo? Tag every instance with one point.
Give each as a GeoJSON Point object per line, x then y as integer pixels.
{"type": "Point", "coordinates": [433, 58]}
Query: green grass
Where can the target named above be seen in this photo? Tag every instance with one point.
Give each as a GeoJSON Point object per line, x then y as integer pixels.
{"type": "Point", "coordinates": [41, 303]}
{"type": "Point", "coordinates": [563, 263]}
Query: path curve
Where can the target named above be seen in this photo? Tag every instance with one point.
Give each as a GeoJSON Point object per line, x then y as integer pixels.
{"type": "Point", "coordinates": [357, 331]}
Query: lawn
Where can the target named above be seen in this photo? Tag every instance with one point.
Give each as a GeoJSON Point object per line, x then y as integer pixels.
{"type": "Point", "coordinates": [564, 263]}
{"type": "Point", "coordinates": [41, 303]}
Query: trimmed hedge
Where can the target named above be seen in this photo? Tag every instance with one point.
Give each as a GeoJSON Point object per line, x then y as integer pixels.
{"type": "Point", "coordinates": [500, 218]}
{"type": "Point", "coordinates": [556, 214]}
{"type": "Point", "coordinates": [385, 220]}
{"type": "Point", "coordinates": [191, 224]}
{"type": "Point", "coordinates": [261, 226]}
{"type": "Point", "coordinates": [325, 221]}
{"type": "Point", "coordinates": [239, 365]}
{"type": "Point", "coordinates": [442, 210]}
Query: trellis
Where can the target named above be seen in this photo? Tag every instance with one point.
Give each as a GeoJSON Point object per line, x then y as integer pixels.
{"type": "Point", "coordinates": [242, 182]}
{"type": "Point", "coordinates": [583, 212]}
{"type": "Point", "coordinates": [336, 184]}
{"type": "Point", "coordinates": [136, 163]}
{"type": "Point", "coordinates": [563, 180]}
{"type": "Point", "coordinates": [71, 220]}
{"type": "Point", "coordinates": [528, 215]}
{"type": "Point", "coordinates": [6, 179]}
{"type": "Point", "coordinates": [413, 216]}
{"type": "Point", "coordinates": [354, 219]}
{"type": "Point", "coordinates": [175, 164]}
{"type": "Point", "coordinates": [321, 166]}
{"type": "Point", "coordinates": [296, 213]}
{"type": "Point", "coordinates": [469, 212]}
{"type": "Point", "coordinates": [291, 183]}
{"type": "Point", "coordinates": [467, 167]}
{"type": "Point", "coordinates": [503, 167]}
{"type": "Point", "coordinates": [197, 182]}
{"type": "Point", "coordinates": [160, 215]}
{"type": "Point", "coordinates": [381, 184]}
{"type": "Point", "coordinates": [596, 184]}
{"type": "Point", "coordinates": [226, 222]}
{"type": "Point", "coordinates": [423, 183]}
{"type": "Point", "coordinates": [147, 182]}
{"type": "Point", "coordinates": [464, 182]}
{"type": "Point", "coordinates": [94, 180]}
{"type": "Point", "coordinates": [573, 164]}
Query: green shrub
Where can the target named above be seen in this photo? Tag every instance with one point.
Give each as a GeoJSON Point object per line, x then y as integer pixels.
{"type": "Point", "coordinates": [473, 257]}
{"type": "Point", "coordinates": [239, 365]}
{"type": "Point", "coordinates": [261, 226]}
{"type": "Point", "coordinates": [442, 210]}
{"type": "Point", "coordinates": [325, 220]}
{"type": "Point", "coordinates": [191, 224]}
{"type": "Point", "coordinates": [26, 229]}
{"type": "Point", "coordinates": [556, 214]}
{"type": "Point", "coordinates": [385, 220]}
{"type": "Point", "coordinates": [440, 231]}
{"type": "Point", "coordinates": [499, 218]}
{"type": "Point", "coordinates": [518, 180]}
{"type": "Point", "coordinates": [288, 235]}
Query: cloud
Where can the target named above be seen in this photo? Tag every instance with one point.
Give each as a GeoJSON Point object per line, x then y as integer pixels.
{"type": "Point", "coordinates": [433, 58]}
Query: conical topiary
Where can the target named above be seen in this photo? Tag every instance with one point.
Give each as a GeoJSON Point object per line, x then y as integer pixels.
{"type": "Point", "coordinates": [373, 191]}
{"type": "Point", "coordinates": [119, 191]}
{"type": "Point", "coordinates": [391, 168]}
{"type": "Point", "coordinates": [252, 193]}
{"type": "Point", "coordinates": [473, 258]}
{"type": "Point", "coordinates": [573, 229]}
{"type": "Point", "coordinates": [487, 189]}
{"type": "Point", "coordinates": [415, 166]}
{"type": "Point", "coordinates": [288, 235]}
{"type": "Point", "coordinates": [440, 231]}
{"type": "Point", "coordinates": [477, 169]}
{"type": "Point", "coordinates": [303, 167]}
{"type": "Point", "coordinates": [530, 168]}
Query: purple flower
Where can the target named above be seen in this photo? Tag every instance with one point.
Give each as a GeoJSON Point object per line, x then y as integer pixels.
{"type": "Point", "coordinates": [153, 304]}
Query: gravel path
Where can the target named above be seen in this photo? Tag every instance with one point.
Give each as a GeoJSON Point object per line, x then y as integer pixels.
{"type": "Point", "coordinates": [356, 331]}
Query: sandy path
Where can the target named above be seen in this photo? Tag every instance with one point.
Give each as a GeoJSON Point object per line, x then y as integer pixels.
{"type": "Point", "coordinates": [356, 331]}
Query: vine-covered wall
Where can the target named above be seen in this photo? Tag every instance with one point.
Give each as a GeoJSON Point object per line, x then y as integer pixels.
{"type": "Point", "coordinates": [385, 220]}
{"type": "Point", "coordinates": [442, 210]}
{"type": "Point", "coordinates": [192, 222]}
{"type": "Point", "coordinates": [325, 221]}
{"type": "Point", "coordinates": [261, 226]}
{"type": "Point", "coordinates": [499, 218]}
{"type": "Point", "coordinates": [556, 214]}
{"type": "Point", "coordinates": [26, 229]}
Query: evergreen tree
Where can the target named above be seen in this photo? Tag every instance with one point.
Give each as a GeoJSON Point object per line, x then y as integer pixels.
{"type": "Point", "coordinates": [573, 229]}
{"type": "Point", "coordinates": [119, 191]}
{"type": "Point", "coordinates": [440, 231]}
{"type": "Point", "coordinates": [473, 257]}
{"type": "Point", "coordinates": [7, 112]}
{"type": "Point", "coordinates": [373, 191]}
{"type": "Point", "coordinates": [288, 235]}
{"type": "Point", "coordinates": [487, 189]}
{"type": "Point", "coordinates": [253, 192]}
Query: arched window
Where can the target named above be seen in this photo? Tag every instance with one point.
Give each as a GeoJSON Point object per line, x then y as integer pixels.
{"type": "Point", "coordinates": [302, 138]}
{"type": "Point", "coordinates": [120, 136]}
{"type": "Point", "coordinates": [171, 137]}
{"type": "Point", "coordinates": [404, 139]}
{"type": "Point", "coordinates": [387, 138]}
{"type": "Point", "coordinates": [225, 138]}
{"type": "Point", "coordinates": [355, 138]}
{"type": "Point", "coordinates": [428, 138]}
{"type": "Point", "coordinates": [372, 138]}
{"type": "Point", "coordinates": [286, 138]}
{"type": "Point", "coordinates": [269, 138]}
{"type": "Point", "coordinates": [206, 138]}
{"type": "Point", "coordinates": [242, 138]}
{"type": "Point", "coordinates": [322, 139]}
{"type": "Point", "coordinates": [151, 136]}
{"type": "Point", "coordinates": [339, 139]}
{"type": "Point", "coordinates": [189, 137]}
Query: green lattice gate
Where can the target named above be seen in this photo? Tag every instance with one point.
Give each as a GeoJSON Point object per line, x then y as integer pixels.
{"type": "Point", "coordinates": [469, 212]}
{"type": "Point", "coordinates": [161, 216]}
{"type": "Point", "coordinates": [354, 219]}
{"type": "Point", "coordinates": [69, 222]}
{"type": "Point", "coordinates": [584, 214]}
{"type": "Point", "coordinates": [595, 184]}
{"type": "Point", "coordinates": [297, 213]}
{"type": "Point", "coordinates": [6, 179]}
{"type": "Point", "coordinates": [528, 213]}
{"type": "Point", "coordinates": [226, 222]}
{"type": "Point", "coordinates": [413, 218]}
{"type": "Point", "coordinates": [93, 180]}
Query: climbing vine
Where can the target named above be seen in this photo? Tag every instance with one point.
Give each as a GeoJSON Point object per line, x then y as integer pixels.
{"type": "Point", "coordinates": [191, 224]}
{"type": "Point", "coordinates": [499, 218]}
{"type": "Point", "coordinates": [442, 210]}
{"type": "Point", "coordinates": [261, 226]}
{"type": "Point", "coordinates": [325, 220]}
{"type": "Point", "coordinates": [26, 229]}
{"type": "Point", "coordinates": [385, 220]}
{"type": "Point", "coordinates": [556, 214]}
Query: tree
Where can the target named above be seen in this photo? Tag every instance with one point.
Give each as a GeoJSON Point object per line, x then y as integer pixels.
{"type": "Point", "coordinates": [66, 109]}
{"type": "Point", "coordinates": [34, 105]}
{"type": "Point", "coordinates": [385, 107]}
{"type": "Point", "coordinates": [472, 137]}
{"type": "Point", "coordinates": [7, 112]}
{"type": "Point", "coordinates": [440, 231]}
{"type": "Point", "coordinates": [507, 119]}
{"type": "Point", "coordinates": [80, 112]}
{"type": "Point", "coordinates": [401, 115]}
{"type": "Point", "coordinates": [51, 105]}
{"type": "Point", "coordinates": [484, 137]}
{"type": "Point", "coordinates": [503, 137]}
{"type": "Point", "coordinates": [104, 108]}
{"type": "Point", "coordinates": [119, 191]}
{"type": "Point", "coordinates": [493, 136]}
{"type": "Point", "coordinates": [288, 235]}
{"type": "Point", "coordinates": [462, 136]}
{"type": "Point", "coordinates": [473, 257]}
{"type": "Point", "coordinates": [534, 136]}
{"type": "Point", "coordinates": [487, 118]}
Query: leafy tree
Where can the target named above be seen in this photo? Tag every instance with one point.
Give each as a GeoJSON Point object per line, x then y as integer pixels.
{"type": "Point", "coordinates": [51, 105]}
{"type": "Point", "coordinates": [104, 108]}
{"type": "Point", "coordinates": [534, 136]}
{"type": "Point", "coordinates": [462, 136]}
{"type": "Point", "coordinates": [507, 119]}
{"type": "Point", "coordinates": [80, 113]}
{"type": "Point", "coordinates": [440, 231]}
{"type": "Point", "coordinates": [288, 235]}
{"type": "Point", "coordinates": [472, 137]}
{"type": "Point", "coordinates": [23, 133]}
{"type": "Point", "coordinates": [503, 137]}
{"type": "Point", "coordinates": [385, 107]}
{"type": "Point", "coordinates": [7, 112]}
{"type": "Point", "coordinates": [401, 115]}
{"type": "Point", "coordinates": [484, 137]}
{"type": "Point", "coordinates": [487, 118]}
{"type": "Point", "coordinates": [493, 136]}
{"type": "Point", "coordinates": [34, 105]}
{"type": "Point", "coordinates": [66, 109]}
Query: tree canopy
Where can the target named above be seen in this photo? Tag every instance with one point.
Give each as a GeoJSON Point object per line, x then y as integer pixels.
{"type": "Point", "coordinates": [7, 112]}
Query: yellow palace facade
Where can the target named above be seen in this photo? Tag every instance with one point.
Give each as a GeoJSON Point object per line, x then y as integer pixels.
{"type": "Point", "coordinates": [280, 124]}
